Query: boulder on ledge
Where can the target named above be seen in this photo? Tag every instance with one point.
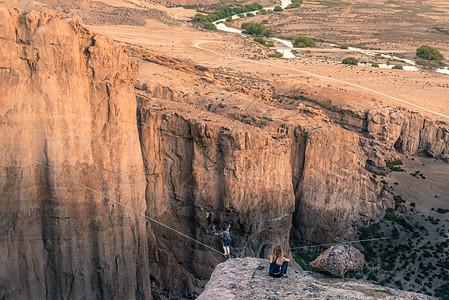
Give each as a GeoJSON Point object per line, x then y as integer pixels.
{"type": "Point", "coordinates": [338, 260]}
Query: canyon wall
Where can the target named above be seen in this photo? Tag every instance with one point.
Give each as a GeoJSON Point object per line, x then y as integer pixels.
{"type": "Point", "coordinates": [334, 193]}
{"type": "Point", "coordinates": [205, 171]}
{"type": "Point", "coordinates": [67, 102]}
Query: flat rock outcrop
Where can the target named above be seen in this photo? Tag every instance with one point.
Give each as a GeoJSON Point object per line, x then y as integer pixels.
{"type": "Point", "coordinates": [338, 260]}
{"type": "Point", "coordinates": [67, 100]}
{"type": "Point", "coordinates": [247, 278]}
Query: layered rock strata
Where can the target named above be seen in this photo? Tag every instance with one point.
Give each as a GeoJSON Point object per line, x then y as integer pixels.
{"type": "Point", "coordinates": [386, 129]}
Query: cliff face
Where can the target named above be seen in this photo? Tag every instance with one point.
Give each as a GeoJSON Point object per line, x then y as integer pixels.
{"type": "Point", "coordinates": [67, 100]}
{"type": "Point", "coordinates": [334, 194]}
{"type": "Point", "coordinates": [248, 278]}
{"type": "Point", "coordinates": [384, 129]}
{"type": "Point", "coordinates": [205, 171]}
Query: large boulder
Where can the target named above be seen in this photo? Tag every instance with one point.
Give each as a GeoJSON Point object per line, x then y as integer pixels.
{"type": "Point", "coordinates": [338, 260]}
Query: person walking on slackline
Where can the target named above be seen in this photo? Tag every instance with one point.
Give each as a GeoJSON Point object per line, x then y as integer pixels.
{"type": "Point", "coordinates": [226, 240]}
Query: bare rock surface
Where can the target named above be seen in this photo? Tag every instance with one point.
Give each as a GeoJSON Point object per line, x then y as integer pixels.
{"type": "Point", "coordinates": [338, 260]}
{"type": "Point", "coordinates": [67, 101]}
{"type": "Point", "coordinates": [247, 278]}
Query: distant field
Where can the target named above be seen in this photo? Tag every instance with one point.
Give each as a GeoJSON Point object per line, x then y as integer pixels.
{"type": "Point", "coordinates": [394, 24]}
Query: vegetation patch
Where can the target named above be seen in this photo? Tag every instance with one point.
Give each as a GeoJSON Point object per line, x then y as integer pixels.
{"type": "Point", "coordinates": [442, 210]}
{"type": "Point", "coordinates": [302, 41]}
{"type": "Point", "coordinates": [255, 29]}
{"type": "Point", "coordinates": [428, 52]}
{"type": "Point", "coordinates": [350, 61]}
{"type": "Point", "coordinates": [294, 4]}
{"type": "Point", "coordinates": [393, 165]}
{"type": "Point", "coordinates": [223, 13]}
{"type": "Point", "coordinates": [304, 258]}
{"type": "Point", "coordinates": [276, 54]}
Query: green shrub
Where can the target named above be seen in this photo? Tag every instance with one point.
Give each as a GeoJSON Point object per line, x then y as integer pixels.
{"type": "Point", "coordinates": [275, 54]}
{"type": "Point", "coordinates": [260, 40]}
{"type": "Point", "coordinates": [372, 276]}
{"type": "Point", "coordinates": [304, 258]}
{"type": "Point", "coordinates": [344, 46]}
{"type": "Point", "coordinates": [298, 41]}
{"type": "Point", "coordinates": [269, 44]}
{"type": "Point", "coordinates": [210, 26]}
{"type": "Point", "coordinates": [398, 199]}
{"type": "Point", "coordinates": [398, 67]}
{"type": "Point", "coordinates": [278, 8]}
{"type": "Point", "coordinates": [350, 61]}
{"type": "Point", "coordinates": [294, 4]}
{"type": "Point", "coordinates": [228, 19]}
{"type": "Point", "coordinates": [393, 165]}
{"type": "Point", "coordinates": [442, 210]}
{"type": "Point", "coordinates": [395, 233]}
{"type": "Point", "coordinates": [375, 65]}
{"type": "Point", "coordinates": [390, 215]}
{"type": "Point", "coordinates": [249, 14]}
{"type": "Point", "coordinates": [428, 52]}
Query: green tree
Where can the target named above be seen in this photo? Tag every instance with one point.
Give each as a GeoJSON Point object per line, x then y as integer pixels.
{"type": "Point", "coordinates": [308, 42]}
{"type": "Point", "coordinates": [209, 25]}
{"type": "Point", "coordinates": [344, 46]}
{"type": "Point", "coordinates": [255, 29]}
{"type": "Point", "coordinates": [278, 8]}
{"type": "Point", "coordinates": [350, 61]}
{"type": "Point", "coordinates": [428, 52]}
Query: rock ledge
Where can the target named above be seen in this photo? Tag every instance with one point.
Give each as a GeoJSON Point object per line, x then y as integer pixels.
{"type": "Point", "coordinates": [247, 278]}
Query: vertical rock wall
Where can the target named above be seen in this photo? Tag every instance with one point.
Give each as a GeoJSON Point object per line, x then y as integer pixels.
{"type": "Point", "coordinates": [66, 100]}
{"type": "Point", "coordinates": [205, 171]}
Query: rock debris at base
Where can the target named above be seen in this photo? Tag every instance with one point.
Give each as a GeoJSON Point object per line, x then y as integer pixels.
{"type": "Point", "coordinates": [247, 278]}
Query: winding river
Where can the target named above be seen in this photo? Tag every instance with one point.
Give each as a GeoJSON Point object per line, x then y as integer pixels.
{"type": "Point", "coordinates": [288, 47]}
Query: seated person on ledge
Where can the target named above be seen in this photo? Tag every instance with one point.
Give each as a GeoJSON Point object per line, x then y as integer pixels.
{"type": "Point", "coordinates": [278, 263]}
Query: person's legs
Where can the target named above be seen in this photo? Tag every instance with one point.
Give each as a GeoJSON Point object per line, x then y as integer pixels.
{"type": "Point", "coordinates": [225, 250]}
{"type": "Point", "coordinates": [228, 251]}
{"type": "Point", "coordinates": [284, 268]}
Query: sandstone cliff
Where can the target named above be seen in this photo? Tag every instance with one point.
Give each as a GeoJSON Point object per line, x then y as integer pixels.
{"type": "Point", "coordinates": [66, 100]}
{"type": "Point", "coordinates": [248, 279]}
